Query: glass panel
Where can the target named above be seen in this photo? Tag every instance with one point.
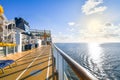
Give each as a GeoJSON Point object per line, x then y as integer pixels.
{"type": "Point", "coordinates": [10, 50]}
{"type": "Point", "coordinates": [2, 51]}
{"type": "Point", "coordinates": [69, 73]}
{"type": "Point", "coordinates": [15, 48]}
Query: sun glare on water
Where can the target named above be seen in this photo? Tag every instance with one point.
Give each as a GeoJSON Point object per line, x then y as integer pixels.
{"type": "Point", "coordinates": [95, 51]}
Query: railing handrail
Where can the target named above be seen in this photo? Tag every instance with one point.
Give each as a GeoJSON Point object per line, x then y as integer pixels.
{"type": "Point", "coordinates": [80, 71]}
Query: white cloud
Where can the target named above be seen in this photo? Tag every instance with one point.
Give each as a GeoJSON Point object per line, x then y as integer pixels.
{"type": "Point", "coordinates": [66, 38]}
{"type": "Point", "coordinates": [93, 6]}
{"type": "Point", "coordinates": [107, 33]}
{"type": "Point", "coordinates": [71, 23]}
{"type": "Point", "coordinates": [95, 29]}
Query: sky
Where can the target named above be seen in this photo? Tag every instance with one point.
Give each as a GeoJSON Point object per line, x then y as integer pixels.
{"type": "Point", "coordinates": [69, 20]}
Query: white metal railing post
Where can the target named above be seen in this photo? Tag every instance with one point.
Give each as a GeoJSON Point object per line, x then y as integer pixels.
{"type": "Point", "coordinates": [57, 60]}
{"type": "Point", "coordinates": [59, 64]}
{"type": "Point", "coordinates": [61, 68]}
{"type": "Point", "coordinates": [14, 50]}
{"type": "Point", "coordinates": [6, 51]}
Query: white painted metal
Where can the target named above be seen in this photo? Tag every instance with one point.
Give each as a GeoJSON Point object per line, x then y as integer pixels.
{"type": "Point", "coordinates": [19, 41]}
{"type": "Point", "coordinates": [59, 63]}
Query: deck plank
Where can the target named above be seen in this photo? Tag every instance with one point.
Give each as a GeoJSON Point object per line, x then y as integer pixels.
{"type": "Point", "coordinates": [31, 65]}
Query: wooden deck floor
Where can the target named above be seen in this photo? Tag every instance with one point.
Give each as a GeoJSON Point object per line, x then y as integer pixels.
{"type": "Point", "coordinates": [35, 64]}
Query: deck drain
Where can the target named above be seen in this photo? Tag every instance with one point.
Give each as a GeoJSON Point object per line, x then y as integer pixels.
{"type": "Point", "coordinates": [35, 72]}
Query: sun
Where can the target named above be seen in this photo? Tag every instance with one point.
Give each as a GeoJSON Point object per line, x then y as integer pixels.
{"type": "Point", "coordinates": [94, 25]}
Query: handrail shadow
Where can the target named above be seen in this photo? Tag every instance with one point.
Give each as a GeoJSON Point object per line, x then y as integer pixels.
{"type": "Point", "coordinates": [35, 72]}
{"type": "Point", "coordinates": [23, 69]}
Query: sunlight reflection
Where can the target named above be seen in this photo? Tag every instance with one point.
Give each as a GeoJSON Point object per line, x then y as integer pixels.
{"type": "Point", "coordinates": [94, 51]}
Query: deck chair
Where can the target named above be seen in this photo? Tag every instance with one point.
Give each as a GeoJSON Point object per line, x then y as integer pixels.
{"type": "Point", "coordinates": [5, 63]}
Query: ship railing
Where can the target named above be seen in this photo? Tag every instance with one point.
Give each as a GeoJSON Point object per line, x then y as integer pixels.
{"type": "Point", "coordinates": [61, 59]}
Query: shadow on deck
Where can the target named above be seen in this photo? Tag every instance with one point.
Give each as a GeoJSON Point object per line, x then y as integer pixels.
{"type": "Point", "coordinates": [35, 64]}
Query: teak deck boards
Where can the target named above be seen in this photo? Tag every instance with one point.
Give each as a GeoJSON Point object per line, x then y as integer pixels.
{"type": "Point", "coordinates": [35, 64]}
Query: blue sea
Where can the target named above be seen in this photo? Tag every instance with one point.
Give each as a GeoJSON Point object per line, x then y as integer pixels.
{"type": "Point", "coordinates": [101, 59]}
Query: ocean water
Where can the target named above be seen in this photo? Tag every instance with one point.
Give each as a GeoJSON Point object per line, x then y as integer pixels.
{"type": "Point", "coordinates": [101, 59]}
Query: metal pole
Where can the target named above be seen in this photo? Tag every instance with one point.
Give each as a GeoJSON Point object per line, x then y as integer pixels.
{"type": "Point", "coordinates": [61, 68]}
{"type": "Point", "coordinates": [6, 51]}
{"type": "Point", "coordinates": [53, 64]}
